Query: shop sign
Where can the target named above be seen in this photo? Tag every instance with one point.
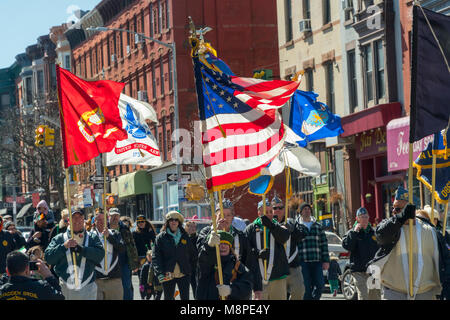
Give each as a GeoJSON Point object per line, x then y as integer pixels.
{"type": "Point", "coordinates": [398, 145]}
{"type": "Point", "coordinates": [371, 143]}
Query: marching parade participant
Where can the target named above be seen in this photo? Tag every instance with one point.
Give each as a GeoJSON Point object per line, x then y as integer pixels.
{"type": "Point", "coordinates": [128, 259]}
{"type": "Point", "coordinates": [109, 277]}
{"type": "Point", "coordinates": [237, 279]}
{"type": "Point", "coordinates": [313, 253]}
{"type": "Point", "coordinates": [241, 246]}
{"type": "Point", "coordinates": [294, 281]}
{"type": "Point", "coordinates": [431, 270]}
{"type": "Point", "coordinates": [172, 257]}
{"type": "Point", "coordinates": [271, 283]}
{"type": "Point", "coordinates": [88, 252]}
{"type": "Point", "coordinates": [361, 242]}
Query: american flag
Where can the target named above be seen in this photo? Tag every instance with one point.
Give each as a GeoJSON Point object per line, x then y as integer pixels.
{"type": "Point", "coordinates": [242, 131]}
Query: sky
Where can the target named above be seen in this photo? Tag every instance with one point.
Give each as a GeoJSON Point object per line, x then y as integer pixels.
{"type": "Point", "coordinates": [23, 21]}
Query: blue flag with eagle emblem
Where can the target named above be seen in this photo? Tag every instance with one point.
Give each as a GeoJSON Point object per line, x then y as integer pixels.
{"type": "Point", "coordinates": [312, 119]}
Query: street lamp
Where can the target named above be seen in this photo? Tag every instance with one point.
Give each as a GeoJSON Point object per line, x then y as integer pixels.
{"type": "Point", "coordinates": [171, 46]}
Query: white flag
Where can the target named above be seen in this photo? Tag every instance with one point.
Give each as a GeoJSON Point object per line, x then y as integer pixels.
{"type": "Point", "coordinates": [140, 147]}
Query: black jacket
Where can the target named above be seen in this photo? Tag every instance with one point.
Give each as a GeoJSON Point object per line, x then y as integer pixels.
{"type": "Point", "coordinates": [144, 240]}
{"type": "Point", "coordinates": [246, 255]}
{"type": "Point", "coordinates": [24, 288]}
{"type": "Point", "coordinates": [298, 233]}
{"type": "Point", "coordinates": [280, 262]}
{"type": "Point", "coordinates": [241, 286]}
{"type": "Point", "coordinates": [7, 245]}
{"type": "Point", "coordinates": [388, 233]}
{"type": "Point", "coordinates": [362, 246]}
{"type": "Point", "coordinates": [166, 254]}
{"type": "Point", "coordinates": [119, 247]}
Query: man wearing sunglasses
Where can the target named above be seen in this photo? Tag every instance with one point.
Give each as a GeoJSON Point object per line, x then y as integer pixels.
{"type": "Point", "coordinates": [400, 200]}
{"type": "Point", "coordinates": [294, 282]}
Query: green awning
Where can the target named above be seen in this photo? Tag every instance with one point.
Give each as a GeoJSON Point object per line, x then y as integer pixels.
{"type": "Point", "coordinates": [131, 184]}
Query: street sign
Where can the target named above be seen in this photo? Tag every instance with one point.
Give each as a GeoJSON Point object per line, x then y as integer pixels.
{"type": "Point", "coordinates": [98, 186]}
{"type": "Point", "coordinates": [99, 179]}
{"type": "Point", "coordinates": [171, 177]}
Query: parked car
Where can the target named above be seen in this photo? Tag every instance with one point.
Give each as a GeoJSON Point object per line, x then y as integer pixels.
{"type": "Point", "coordinates": [348, 286]}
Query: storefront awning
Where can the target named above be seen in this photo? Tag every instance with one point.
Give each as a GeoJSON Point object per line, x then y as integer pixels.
{"type": "Point", "coordinates": [24, 210]}
{"type": "Point", "coordinates": [370, 118]}
{"type": "Point", "coordinates": [139, 182]}
{"type": "Point", "coordinates": [397, 138]}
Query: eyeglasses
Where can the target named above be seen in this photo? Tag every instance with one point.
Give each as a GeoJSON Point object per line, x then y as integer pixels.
{"type": "Point", "coordinates": [170, 220]}
{"type": "Point", "coordinates": [278, 208]}
{"type": "Point", "coordinates": [142, 221]}
{"type": "Point", "coordinates": [397, 209]}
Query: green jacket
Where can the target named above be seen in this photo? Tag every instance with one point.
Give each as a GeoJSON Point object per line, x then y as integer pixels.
{"type": "Point", "coordinates": [56, 255]}
{"type": "Point", "coordinates": [132, 254]}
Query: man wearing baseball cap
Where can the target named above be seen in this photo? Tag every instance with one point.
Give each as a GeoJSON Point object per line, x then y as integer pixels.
{"type": "Point", "coordinates": [88, 253]}
{"type": "Point", "coordinates": [362, 244]}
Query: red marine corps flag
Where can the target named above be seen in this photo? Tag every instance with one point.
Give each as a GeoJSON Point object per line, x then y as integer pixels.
{"type": "Point", "coordinates": [90, 117]}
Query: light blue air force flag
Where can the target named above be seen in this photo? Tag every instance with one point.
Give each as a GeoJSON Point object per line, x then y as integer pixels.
{"type": "Point", "coordinates": [312, 119]}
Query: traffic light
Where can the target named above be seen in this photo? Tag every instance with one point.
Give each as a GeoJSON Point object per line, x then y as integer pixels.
{"type": "Point", "coordinates": [265, 74]}
{"type": "Point", "coordinates": [49, 137]}
{"type": "Point", "coordinates": [40, 136]}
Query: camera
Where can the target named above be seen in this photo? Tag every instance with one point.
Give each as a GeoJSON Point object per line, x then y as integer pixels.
{"type": "Point", "coordinates": [33, 265]}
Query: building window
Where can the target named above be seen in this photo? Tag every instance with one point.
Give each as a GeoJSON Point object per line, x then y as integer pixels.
{"type": "Point", "coordinates": [138, 88]}
{"type": "Point", "coordinates": [161, 74]}
{"type": "Point", "coordinates": [163, 15]}
{"type": "Point", "coordinates": [352, 84]}
{"type": "Point", "coordinates": [91, 62]}
{"type": "Point", "coordinates": [309, 79]}
{"type": "Point", "coordinates": [381, 91]}
{"type": "Point", "coordinates": [164, 146]}
{"type": "Point", "coordinates": [108, 51]}
{"type": "Point", "coordinates": [326, 11]}
{"type": "Point", "coordinates": [121, 44]}
{"type": "Point", "coordinates": [28, 91]}
{"type": "Point", "coordinates": [131, 88]}
{"type": "Point", "coordinates": [153, 81]}
{"type": "Point", "coordinates": [170, 73]}
{"type": "Point", "coordinates": [329, 75]}
{"type": "Point", "coordinates": [144, 75]}
{"type": "Point", "coordinates": [142, 22]}
{"type": "Point", "coordinates": [128, 36]}
{"type": "Point", "coordinates": [150, 15]}
{"type": "Point", "coordinates": [67, 62]}
{"type": "Point", "coordinates": [160, 15]}
{"type": "Point", "coordinates": [167, 15]}
{"type": "Point", "coordinates": [155, 20]}
{"type": "Point", "coordinates": [40, 82]}
{"type": "Point", "coordinates": [288, 19]}
{"type": "Point", "coordinates": [306, 9]}
{"type": "Point", "coordinates": [368, 68]}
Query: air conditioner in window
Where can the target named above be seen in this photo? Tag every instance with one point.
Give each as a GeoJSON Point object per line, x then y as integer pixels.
{"type": "Point", "coordinates": [113, 58]}
{"type": "Point", "coordinates": [305, 25]}
{"type": "Point", "coordinates": [128, 49]}
{"type": "Point", "coordinates": [142, 95]}
{"type": "Point", "coordinates": [137, 38]}
{"type": "Point", "coordinates": [347, 5]}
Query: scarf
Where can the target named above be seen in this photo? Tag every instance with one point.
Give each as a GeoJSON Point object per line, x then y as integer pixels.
{"type": "Point", "coordinates": [366, 230]}
{"type": "Point", "coordinates": [176, 236]}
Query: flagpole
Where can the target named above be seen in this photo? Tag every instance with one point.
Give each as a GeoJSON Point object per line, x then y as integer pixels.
{"type": "Point", "coordinates": [288, 181]}
{"type": "Point", "coordinates": [433, 186]}
{"type": "Point", "coordinates": [220, 204]}
{"type": "Point", "coordinates": [410, 198]}
{"type": "Point", "coordinates": [444, 226]}
{"type": "Point", "coordinates": [106, 218]}
{"type": "Point", "coordinates": [213, 217]}
{"type": "Point", "coordinates": [265, 240]}
{"type": "Point", "coordinates": [74, 259]}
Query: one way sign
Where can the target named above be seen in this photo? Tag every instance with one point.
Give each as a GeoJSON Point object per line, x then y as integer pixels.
{"type": "Point", "coordinates": [171, 177]}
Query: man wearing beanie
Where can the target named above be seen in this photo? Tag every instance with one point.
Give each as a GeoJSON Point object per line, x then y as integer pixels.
{"type": "Point", "coordinates": [313, 252]}
{"type": "Point", "coordinates": [240, 242]}
{"type": "Point", "coordinates": [237, 280]}
{"type": "Point", "coordinates": [362, 244]}
{"type": "Point", "coordinates": [273, 287]}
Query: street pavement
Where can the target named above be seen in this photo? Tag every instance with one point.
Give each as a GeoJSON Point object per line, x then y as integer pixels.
{"type": "Point", "coordinates": [137, 295]}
